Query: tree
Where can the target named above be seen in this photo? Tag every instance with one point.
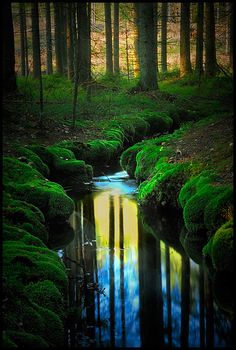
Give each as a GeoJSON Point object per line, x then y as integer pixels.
{"type": "Point", "coordinates": [185, 63]}
{"type": "Point", "coordinates": [116, 38]}
{"type": "Point", "coordinates": [210, 48]}
{"type": "Point", "coordinates": [22, 37]}
{"type": "Point", "coordinates": [48, 38]}
{"type": "Point", "coordinates": [231, 31]}
{"type": "Point", "coordinates": [69, 42]}
{"type": "Point", "coordinates": [58, 49]}
{"type": "Point", "coordinates": [136, 44]}
{"type": "Point", "coordinates": [164, 9]}
{"type": "Point", "coordinates": [36, 53]}
{"type": "Point", "coordinates": [109, 63]}
{"type": "Point", "coordinates": [9, 77]}
{"type": "Point", "coordinates": [199, 42]}
{"type": "Point", "coordinates": [147, 49]}
{"type": "Point", "coordinates": [83, 43]}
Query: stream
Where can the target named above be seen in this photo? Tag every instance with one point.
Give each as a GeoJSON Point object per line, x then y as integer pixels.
{"type": "Point", "coordinates": [130, 283]}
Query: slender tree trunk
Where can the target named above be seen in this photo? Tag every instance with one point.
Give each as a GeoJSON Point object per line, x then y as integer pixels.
{"type": "Point", "coordinates": [116, 38]}
{"type": "Point", "coordinates": [58, 50]}
{"type": "Point", "coordinates": [164, 9]}
{"type": "Point", "coordinates": [36, 53]}
{"type": "Point", "coordinates": [83, 44]}
{"type": "Point", "coordinates": [89, 87]}
{"type": "Point", "coordinates": [136, 42]}
{"type": "Point", "coordinates": [109, 63]}
{"type": "Point", "coordinates": [147, 46]}
{"type": "Point", "coordinates": [155, 33]}
{"type": "Point", "coordinates": [70, 53]}
{"type": "Point", "coordinates": [231, 31]}
{"type": "Point", "coordinates": [76, 69]}
{"type": "Point", "coordinates": [9, 77]}
{"type": "Point", "coordinates": [210, 48]}
{"type": "Point", "coordinates": [185, 63]}
{"type": "Point", "coordinates": [199, 42]}
{"type": "Point", "coordinates": [26, 44]}
{"type": "Point", "coordinates": [127, 50]}
{"type": "Point", "coordinates": [22, 38]}
{"type": "Point", "coordinates": [35, 41]}
{"type": "Point", "coordinates": [63, 33]}
{"type": "Point", "coordinates": [48, 38]}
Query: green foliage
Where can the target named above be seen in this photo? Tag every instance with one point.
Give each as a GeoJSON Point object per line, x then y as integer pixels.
{"type": "Point", "coordinates": [158, 121]}
{"type": "Point", "coordinates": [220, 248]}
{"type": "Point", "coordinates": [34, 160]}
{"type": "Point", "coordinates": [195, 206]}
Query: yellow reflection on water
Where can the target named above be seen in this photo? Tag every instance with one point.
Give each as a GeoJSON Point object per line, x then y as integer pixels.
{"type": "Point", "coordinates": [101, 216]}
{"type": "Point", "coordinates": [130, 212]}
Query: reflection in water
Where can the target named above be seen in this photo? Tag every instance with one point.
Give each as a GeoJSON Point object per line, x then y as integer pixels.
{"type": "Point", "coordinates": [132, 287]}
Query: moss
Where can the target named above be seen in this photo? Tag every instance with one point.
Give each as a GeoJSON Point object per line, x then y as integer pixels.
{"type": "Point", "coordinates": [48, 196]}
{"type": "Point", "coordinates": [158, 121]}
{"type": "Point", "coordinates": [15, 171]}
{"type": "Point", "coordinates": [194, 184]}
{"type": "Point", "coordinates": [80, 149]}
{"type": "Point", "coordinates": [46, 294]}
{"type": "Point", "coordinates": [13, 233]}
{"type": "Point", "coordinates": [147, 158]}
{"type": "Point", "coordinates": [114, 134]}
{"type": "Point", "coordinates": [7, 342]}
{"type": "Point", "coordinates": [103, 151]}
{"type": "Point", "coordinates": [195, 206]}
{"type": "Point", "coordinates": [43, 153]}
{"type": "Point", "coordinates": [133, 127]}
{"type": "Point", "coordinates": [219, 209]}
{"type": "Point", "coordinates": [27, 340]}
{"type": "Point", "coordinates": [220, 248]}
{"type": "Point", "coordinates": [53, 330]}
{"type": "Point", "coordinates": [34, 160]}
{"type": "Point", "coordinates": [128, 158]}
{"type": "Point", "coordinates": [24, 215]}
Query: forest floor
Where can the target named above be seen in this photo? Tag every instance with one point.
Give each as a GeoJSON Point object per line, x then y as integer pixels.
{"type": "Point", "coordinates": [210, 141]}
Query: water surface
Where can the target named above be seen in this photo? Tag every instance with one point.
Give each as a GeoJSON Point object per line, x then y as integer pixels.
{"type": "Point", "coordinates": [140, 288]}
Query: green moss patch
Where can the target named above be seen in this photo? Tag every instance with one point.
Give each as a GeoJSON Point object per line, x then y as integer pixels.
{"type": "Point", "coordinates": [26, 340]}
{"type": "Point", "coordinates": [128, 158]}
{"type": "Point", "coordinates": [28, 156]}
{"type": "Point", "coordinates": [158, 121]}
{"type": "Point", "coordinates": [13, 233]}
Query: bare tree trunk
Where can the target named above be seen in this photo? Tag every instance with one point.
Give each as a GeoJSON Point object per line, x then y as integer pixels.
{"type": "Point", "coordinates": [210, 48]}
{"type": "Point", "coordinates": [185, 63]}
{"type": "Point", "coordinates": [116, 38]}
{"type": "Point", "coordinates": [9, 77]}
{"type": "Point", "coordinates": [89, 87]}
{"type": "Point", "coordinates": [36, 54]}
{"type": "Point", "coordinates": [136, 44]}
{"type": "Point", "coordinates": [48, 38]}
{"type": "Point", "coordinates": [63, 28]}
{"type": "Point", "coordinates": [76, 68]}
{"type": "Point", "coordinates": [109, 62]}
{"type": "Point", "coordinates": [83, 43]}
{"type": "Point", "coordinates": [70, 54]}
{"type": "Point", "coordinates": [231, 31]}
{"type": "Point", "coordinates": [58, 50]}
{"type": "Point", "coordinates": [127, 50]}
{"type": "Point", "coordinates": [22, 38]}
{"type": "Point", "coordinates": [26, 44]}
{"type": "Point", "coordinates": [199, 42]}
{"type": "Point", "coordinates": [164, 9]}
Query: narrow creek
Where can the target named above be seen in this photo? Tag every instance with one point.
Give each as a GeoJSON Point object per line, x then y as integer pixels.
{"type": "Point", "coordinates": [139, 289]}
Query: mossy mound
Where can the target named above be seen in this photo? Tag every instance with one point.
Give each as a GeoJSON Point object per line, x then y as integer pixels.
{"type": "Point", "coordinates": [147, 158]}
{"type": "Point", "coordinates": [46, 294]}
{"type": "Point", "coordinates": [194, 184]}
{"type": "Point", "coordinates": [195, 207]}
{"type": "Point", "coordinates": [48, 196]}
{"type": "Point", "coordinates": [103, 151]}
{"type": "Point", "coordinates": [15, 171]}
{"type": "Point", "coordinates": [134, 128]}
{"type": "Point", "coordinates": [13, 233]}
{"type": "Point", "coordinates": [28, 156]}
{"type": "Point", "coordinates": [25, 340]}
{"type": "Point", "coordinates": [114, 134]}
{"type": "Point", "coordinates": [80, 149]}
{"type": "Point", "coordinates": [128, 158]}
{"type": "Point", "coordinates": [220, 248]}
{"type": "Point", "coordinates": [24, 215]}
{"type": "Point", "coordinates": [158, 121]}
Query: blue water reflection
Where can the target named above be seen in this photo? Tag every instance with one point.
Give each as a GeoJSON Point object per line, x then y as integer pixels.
{"type": "Point", "coordinates": [148, 291]}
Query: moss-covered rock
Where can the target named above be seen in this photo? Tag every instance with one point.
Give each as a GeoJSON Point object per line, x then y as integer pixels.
{"type": "Point", "coordinates": [48, 196]}
{"type": "Point", "coordinates": [128, 158]}
{"type": "Point", "coordinates": [80, 149]}
{"type": "Point", "coordinates": [13, 233]}
{"type": "Point", "coordinates": [195, 207]}
{"type": "Point", "coordinates": [133, 127]}
{"type": "Point", "coordinates": [46, 294]}
{"type": "Point", "coordinates": [26, 340]}
{"type": "Point", "coordinates": [114, 134]}
{"type": "Point", "coordinates": [24, 215]}
{"type": "Point", "coordinates": [158, 121]}
{"type": "Point", "coordinates": [28, 156]}
{"type": "Point", "coordinates": [220, 248]}
{"type": "Point", "coordinates": [194, 184]}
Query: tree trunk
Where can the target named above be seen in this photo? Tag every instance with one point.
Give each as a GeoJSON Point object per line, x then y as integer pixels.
{"type": "Point", "coordinates": [48, 38]}
{"type": "Point", "coordinates": [210, 48]}
{"type": "Point", "coordinates": [136, 59]}
{"type": "Point", "coordinates": [89, 87]}
{"type": "Point", "coordinates": [26, 45]}
{"type": "Point", "coordinates": [70, 53]}
{"type": "Point", "coordinates": [22, 38]}
{"type": "Point", "coordinates": [164, 9]}
{"type": "Point", "coordinates": [199, 42]}
{"type": "Point", "coordinates": [109, 63]}
{"type": "Point", "coordinates": [35, 41]}
{"type": "Point", "coordinates": [63, 34]}
{"type": "Point", "coordinates": [127, 50]}
{"type": "Point", "coordinates": [76, 70]}
{"type": "Point", "coordinates": [9, 77]}
{"type": "Point", "coordinates": [185, 63]}
{"type": "Point", "coordinates": [83, 44]}
{"type": "Point", "coordinates": [231, 31]}
{"type": "Point", "coordinates": [116, 38]}
{"type": "Point", "coordinates": [147, 46]}
{"type": "Point", "coordinates": [36, 53]}
{"type": "Point", "coordinates": [58, 50]}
